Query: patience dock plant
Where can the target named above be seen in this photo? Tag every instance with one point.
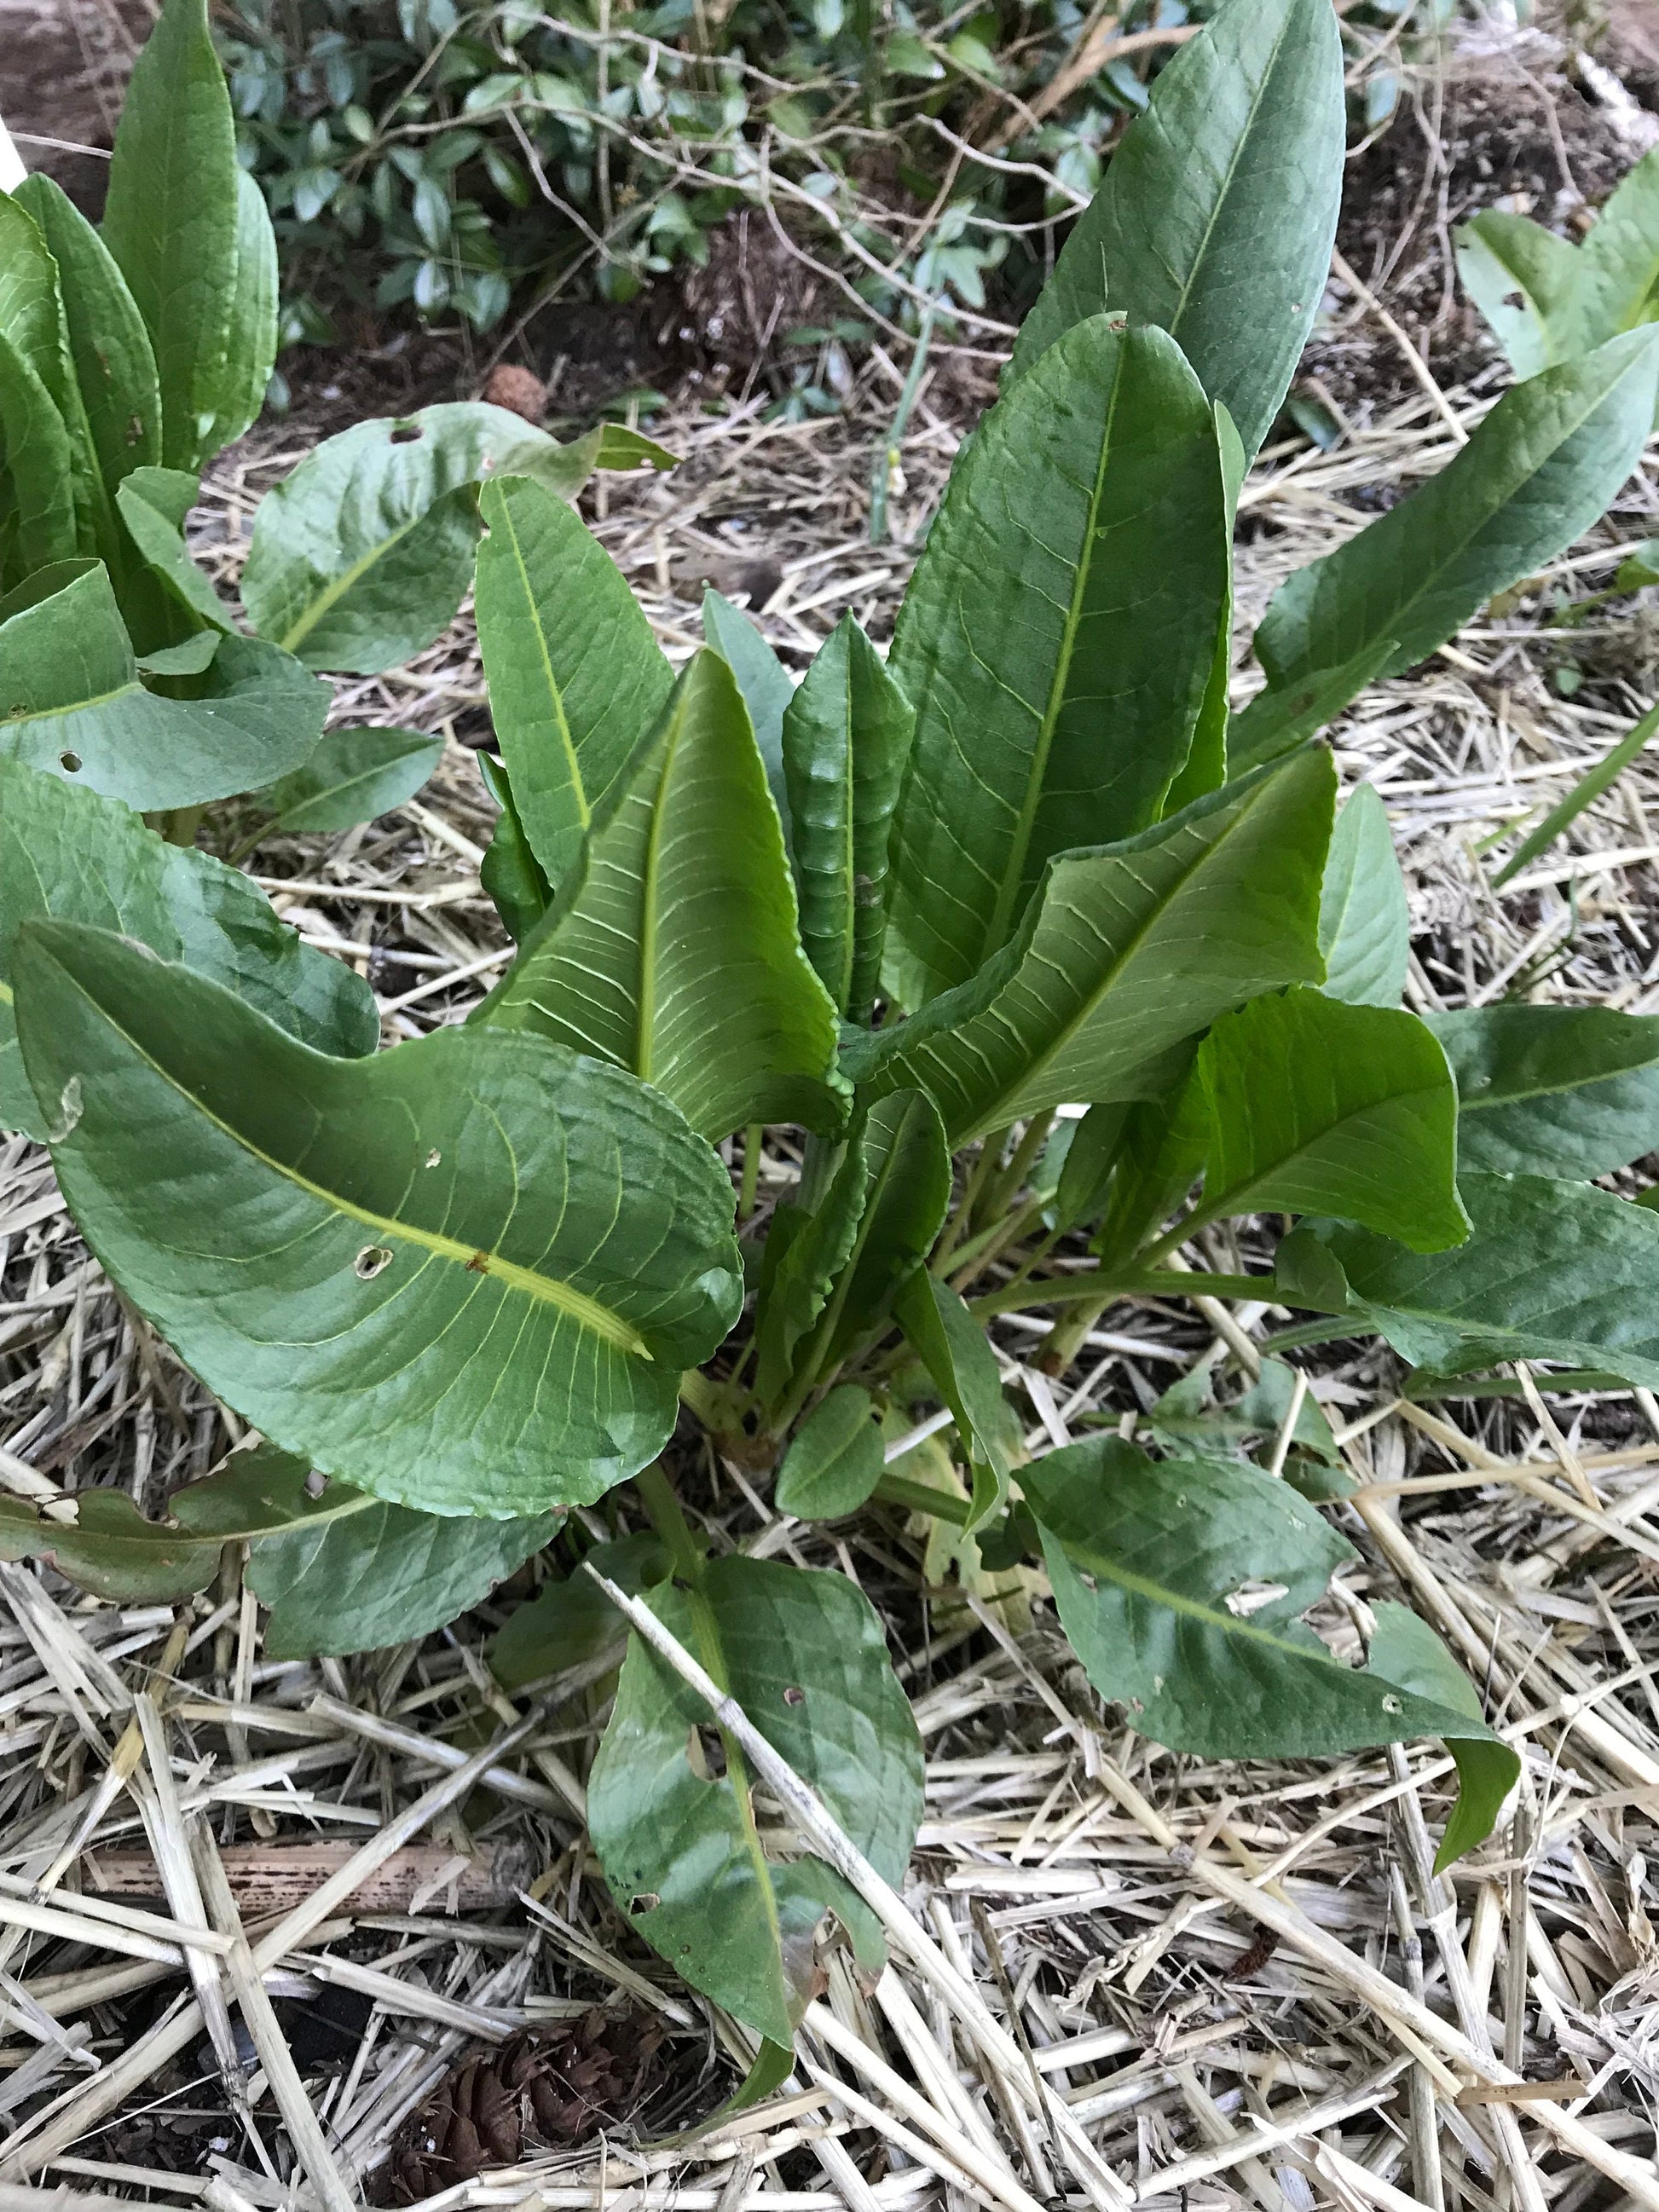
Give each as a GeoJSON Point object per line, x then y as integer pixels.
{"type": "Point", "coordinates": [1018, 939]}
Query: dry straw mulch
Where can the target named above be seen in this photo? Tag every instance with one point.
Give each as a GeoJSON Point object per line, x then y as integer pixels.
{"type": "Point", "coordinates": [254, 1914]}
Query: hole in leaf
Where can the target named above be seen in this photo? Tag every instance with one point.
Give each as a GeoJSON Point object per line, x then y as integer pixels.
{"type": "Point", "coordinates": [371, 1260]}
{"type": "Point", "coordinates": [1391, 1703]}
{"type": "Point", "coordinates": [1250, 1597]}
{"type": "Point", "coordinates": [1516, 299]}
{"type": "Point", "coordinates": [795, 1695]}
{"type": "Point", "coordinates": [406, 434]}
{"type": "Point", "coordinates": [646, 1901]}
{"type": "Point", "coordinates": [316, 1483]}
{"type": "Point", "coordinates": [705, 1753]}
{"type": "Point", "coordinates": [70, 762]}
{"type": "Point", "coordinates": [434, 1157]}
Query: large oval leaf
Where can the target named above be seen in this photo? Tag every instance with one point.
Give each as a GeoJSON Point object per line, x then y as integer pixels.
{"type": "Point", "coordinates": [576, 678]}
{"type": "Point", "coordinates": [1057, 640]}
{"type": "Point", "coordinates": [75, 704]}
{"type": "Point", "coordinates": [465, 1274]}
{"type": "Point", "coordinates": [675, 954]}
{"type": "Point", "coordinates": [1553, 1091]}
{"type": "Point", "coordinates": [1219, 210]}
{"type": "Point", "coordinates": [803, 1656]}
{"type": "Point", "coordinates": [1126, 950]}
{"type": "Point", "coordinates": [66, 853]}
{"type": "Point", "coordinates": [359, 559]}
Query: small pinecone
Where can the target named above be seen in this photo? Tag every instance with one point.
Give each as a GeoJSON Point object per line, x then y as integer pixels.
{"type": "Point", "coordinates": [520, 389]}
{"type": "Point", "coordinates": [545, 2088]}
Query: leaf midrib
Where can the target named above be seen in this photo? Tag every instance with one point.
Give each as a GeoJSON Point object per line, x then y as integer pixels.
{"type": "Point", "coordinates": [561, 720]}
{"type": "Point", "coordinates": [331, 595]}
{"type": "Point", "coordinates": [1232, 1199]}
{"type": "Point", "coordinates": [586, 1311]}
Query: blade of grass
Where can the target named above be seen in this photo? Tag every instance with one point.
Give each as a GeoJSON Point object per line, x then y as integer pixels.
{"type": "Point", "coordinates": [1584, 792]}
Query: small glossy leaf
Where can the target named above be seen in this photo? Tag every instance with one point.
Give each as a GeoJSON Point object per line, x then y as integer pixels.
{"type": "Point", "coordinates": [1365, 919]}
{"type": "Point", "coordinates": [352, 776]}
{"type": "Point", "coordinates": [954, 1349]}
{"type": "Point", "coordinates": [170, 222]}
{"type": "Point", "coordinates": [1408, 1652]}
{"type": "Point", "coordinates": [1057, 639]}
{"type": "Point", "coordinates": [803, 1656]}
{"type": "Point", "coordinates": [72, 702]}
{"type": "Point", "coordinates": [250, 335]}
{"type": "Point", "coordinates": [1181, 1583]}
{"type": "Point", "coordinates": [1553, 1091]}
{"type": "Point", "coordinates": [1125, 951]}
{"type": "Point", "coordinates": [576, 679]}
{"type": "Point", "coordinates": [509, 871]}
{"type": "Point", "coordinates": [675, 953]}
{"type": "Point", "coordinates": [1539, 470]}
{"type": "Point", "coordinates": [109, 346]}
{"type": "Point", "coordinates": [835, 1461]}
{"type": "Point", "coordinates": [570, 1619]}
{"type": "Point", "coordinates": [465, 1273]}
{"type": "Point", "coordinates": [1317, 1106]}
{"type": "Point", "coordinates": [846, 740]}
{"type": "Point", "coordinates": [38, 478]}
{"type": "Point", "coordinates": [765, 682]}
{"type": "Point", "coordinates": [1557, 1271]}
{"type": "Point", "coordinates": [1522, 279]}
{"type": "Point", "coordinates": [153, 503]}
{"type": "Point", "coordinates": [1307, 1273]}
{"type": "Point", "coordinates": [65, 852]}
{"type": "Point", "coordinates": [359, 559]}
{"type": "Point", "coordinates": [1218, 211]}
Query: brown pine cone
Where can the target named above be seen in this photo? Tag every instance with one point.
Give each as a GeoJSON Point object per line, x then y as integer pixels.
{"type": "Point", "coordinates": [545, 2088]}
{"type": "Point", "coordinates": [519, 390]}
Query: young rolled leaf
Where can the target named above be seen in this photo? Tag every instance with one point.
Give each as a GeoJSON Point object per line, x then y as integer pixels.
{"type": "Point", "coordinates": [1206, 768]}
{"type": "Point", "coordinates": [251, 332]}
{"type": "Point", "coordinates": [675, 953]}
{"type": "Point", "coordinates": [170, 222]}
{"type": "Point", "coordinates": [465, 1274]}
{"type": "Point", "coordinates": [576, 679]}
{"type": "Point", "coordinates": [1364, 921]}
{"type": "Point", "coordinates": [153, 504]}
{"type": "Point", "coordinates": [509, 871]}
{"type": "Point", "coordinates": [352, 776]}
{"type": "Point", "coordinates": [1540, 469]}
{"type": "Point", "coordinates": [341, 1571]}
{"type": "Point", "coordinates": [64, 852]}
{"type": "Point", "coordinates": [1057, 639]}
{"type": "Point", "coordinates": [1556, 1270]}
{"type": "Point", "coordinates": [1219, 210]}
{"type": "Point", "coordinates": [38, 482]}
{"type": "Point", "coordinates": [1553, 1091]}
{"type": "Point", "coordinates": [834, 1459]}
{"type": "Point", "coordinates": [1408, 1652]}
{"type": "Point", "coordinates": [1317, 1106]}
{"type": "Point", "coordinates": [953, 1348]}
{"type": "Point", "coordinates": [1126, 950]}
{"type": "Point", "coordinates": [764, 682]}
{"type": "Point", "coordinates": [1202, 1641]}
{"type": "Point", "coordinates": [1523, 279]}
{"type": "Point", "coordinates": [76, 707]}
{"type": "Point", "coordinates": [803, 1654]}
{"type": "Point", "coordinates": [109, 346]}
{"type": "Point", "coordinates": [1160, 1157]}
{"type": "Point", "coordinates": [846, 739]}
{"type": "Point", "coordinates": [359, 559]}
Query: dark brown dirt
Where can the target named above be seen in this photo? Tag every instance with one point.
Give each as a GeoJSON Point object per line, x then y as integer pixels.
{"type": "Point", "coordinates": [63, 64]}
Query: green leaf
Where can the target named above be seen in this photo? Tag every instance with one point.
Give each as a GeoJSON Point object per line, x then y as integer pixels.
{"type": "Point", "coordinates": [1365, 919]}
{"type": "Point", "coordinates": [576, 678]}
{"type": "Point", "coordinates": [1219, 210]}
{"type": "Point", "coordinates": [846, 739]}
{"type": "Point", "coordinates": [71, 703]}
{"type": "Point", "coordinates": [570, 1619]}
{"type": "Point", "coordinates": [1540, 469]}
{"type": "Point", "coordinates": [114, 361]}
{"type": "Point", "coordinates": [1317, 1106]}
{"type": "Point", "coordinates": [465, 1274]}
{"type": "Point", "coordinates": [360, 558]}
{"type": "Point", "coordinates": [1407, 1652]}
{"type": "Point", "coordinates": [1126, 950]}
{"type": "Point", "coordinates": [1281, 718]}
{"type": "Point", "coordinates": [1093, 1147]}
{"type": "Point", "coordinates": [835, 1461]}
{"type": "Point", "coordinates": [170, 222]}
{"type": "Point", "coordinates": [509, 871]}
{"type": "Point", "coordinates": [803, 1656]}
{"type": "Point", "coordinates": [1522, 279]}
{"type": "Point", "coordinates": [1553, 1091]}
{"type": "Point", "coordinates": [40, 466]}
{"type": "Point", "coordinates": [64, 852]}
{"type": "Point", "coordinates": [1181, 1584]}
{"type": "Point", "coordinates": [675, 953]}
{"type": "Point", "coordinates": [153, 503]}
{"type": "Point", "coordinates": [1160, 1157]}
{"type": "Point", "coordinates": [341, 1571]}
{"type": "Point", "coordinates": [1618, 264]}
{"type": "Point", "coordinates": [1057, 637]}
{"type": "Point", "coordinates": [764, 682]}
{"type": "Point", "coordinates": [30, 310]}
{"type": "Point", "coordinates": [189, 658]}
{"type": "Point", "coordinates": [1207, 763]}
{"type": "Point", "coordinates": [1557, 1271]}
{"type": "Point", "coordinates": [1588, 789]}
{"type": "Point", "coordinates": [953, 1348]}
{"type": "Point", "coordinates": [251, 336]}
{"type": "Point", "coordinates": [353, 776]}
